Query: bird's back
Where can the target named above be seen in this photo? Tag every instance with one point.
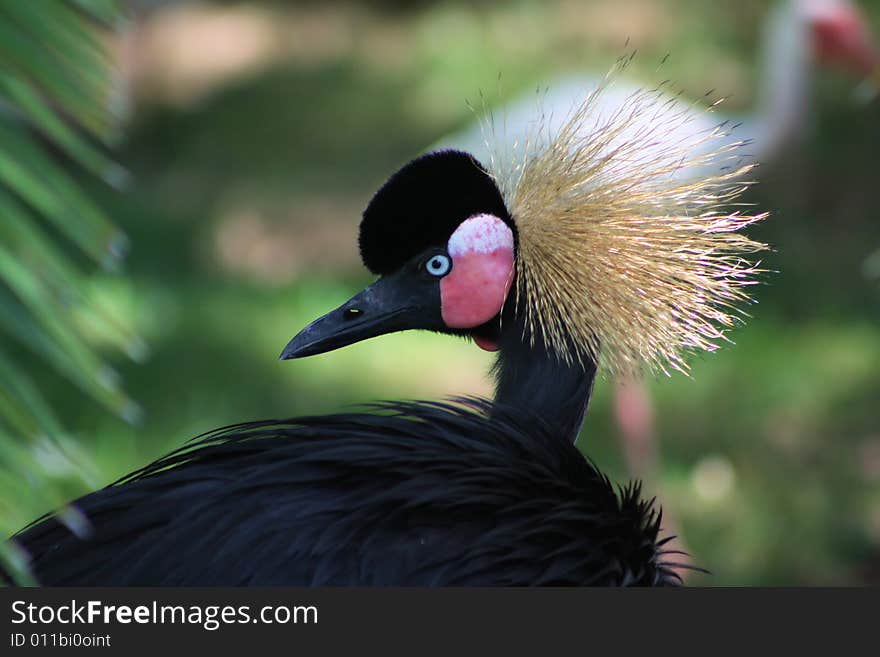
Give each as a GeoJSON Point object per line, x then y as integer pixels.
{"type": "Point", "coordinates": [534, 119]}
{"type": "Point", "coordinates": [416, 494]}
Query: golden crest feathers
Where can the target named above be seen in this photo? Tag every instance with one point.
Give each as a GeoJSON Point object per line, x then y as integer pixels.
{"type": "Point", "coordinates": [626, 253]}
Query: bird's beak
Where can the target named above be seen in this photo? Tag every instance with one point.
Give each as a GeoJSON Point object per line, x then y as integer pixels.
{"type": "Point", "coordinates": [869, 88]}
{"type": "Point", "coordinates": [864, 56]}
{"type": "Point", "coordinates": [392, 303]}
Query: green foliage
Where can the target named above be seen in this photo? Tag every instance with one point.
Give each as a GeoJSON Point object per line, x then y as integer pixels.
{"type": "Point", "coordinates": [55, 122]}
{"type": "Point", "coordinates": [54, 97]}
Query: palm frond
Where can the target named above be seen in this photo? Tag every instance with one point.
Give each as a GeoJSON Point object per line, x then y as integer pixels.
{"type": "Point", "coordinates": [55, 122]}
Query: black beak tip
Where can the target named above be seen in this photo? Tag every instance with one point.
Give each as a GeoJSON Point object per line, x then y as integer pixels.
{"type": "Point", "coordinates": [293, 350]}
{"type": "Point", "coordinates": [383, 307]}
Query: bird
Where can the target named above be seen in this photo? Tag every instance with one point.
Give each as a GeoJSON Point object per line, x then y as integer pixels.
{"type": "Point", "coordinates": [797, 36]}
{"type": "Point", "coordinates": [578, 258]}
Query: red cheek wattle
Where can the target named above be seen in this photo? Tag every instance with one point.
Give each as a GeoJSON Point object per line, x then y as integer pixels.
{"type": "Point", "coordinates": [476, 288]}
{"type": "Point", "coordinates": [485, 344]}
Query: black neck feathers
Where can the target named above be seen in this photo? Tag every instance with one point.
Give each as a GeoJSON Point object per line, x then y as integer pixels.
{"type": "Point", "coordinates": [530, 376]}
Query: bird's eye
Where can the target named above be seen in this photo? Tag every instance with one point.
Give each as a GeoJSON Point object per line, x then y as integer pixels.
{"type": "Point", "coordinates": [438, 265]}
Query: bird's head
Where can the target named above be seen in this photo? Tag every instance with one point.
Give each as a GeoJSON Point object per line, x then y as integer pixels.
{"type": "Point", "coordinates": [840, 35]}
{"type": "Point", "coordinates": [440, 238]}
{"type": "Point", "coordinates": [584, 242]}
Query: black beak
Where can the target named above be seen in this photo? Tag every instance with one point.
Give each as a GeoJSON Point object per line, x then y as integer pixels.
{"type": "Point", "coordinates": [393, 303]}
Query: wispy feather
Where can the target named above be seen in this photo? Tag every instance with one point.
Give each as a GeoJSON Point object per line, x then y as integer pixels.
{"type": "Point", "coordinates": [630, 250]}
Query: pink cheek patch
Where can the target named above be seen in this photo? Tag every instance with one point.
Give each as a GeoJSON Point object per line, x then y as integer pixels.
{"type": "Point", "coordinates": [474, 291]}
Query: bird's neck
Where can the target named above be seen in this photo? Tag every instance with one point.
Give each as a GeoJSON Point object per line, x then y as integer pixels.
{"type": "Point", "coordinates": [531, 377]}
{"type": "Point", "coordinates": [786, 61]}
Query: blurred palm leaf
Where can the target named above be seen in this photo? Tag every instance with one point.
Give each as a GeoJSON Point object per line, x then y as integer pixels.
{"type": "Point", "coordinates": [55, 120]}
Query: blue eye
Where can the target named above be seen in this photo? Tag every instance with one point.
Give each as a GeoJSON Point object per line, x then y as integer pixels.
{"type": "Point", "coordinates": [438, 265]}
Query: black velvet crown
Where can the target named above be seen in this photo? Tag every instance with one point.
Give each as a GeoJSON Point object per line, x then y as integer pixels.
{"type": "Point", "coordinates": [421, 206]}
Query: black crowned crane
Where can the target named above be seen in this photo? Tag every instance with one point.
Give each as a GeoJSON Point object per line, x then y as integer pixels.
{"type": "Point", "coordinates": [582, 254]}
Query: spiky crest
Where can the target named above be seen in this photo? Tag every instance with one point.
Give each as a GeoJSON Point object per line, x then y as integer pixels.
{"type": "Point", "coordinates": [628, 251]}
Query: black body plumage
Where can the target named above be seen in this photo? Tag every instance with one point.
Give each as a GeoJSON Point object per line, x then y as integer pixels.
{"type": "Point", "coordinates": [415, 494]}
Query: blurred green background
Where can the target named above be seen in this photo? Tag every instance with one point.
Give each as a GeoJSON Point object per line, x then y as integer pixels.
{"type": "Point", "coordinates": [255, 132]}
